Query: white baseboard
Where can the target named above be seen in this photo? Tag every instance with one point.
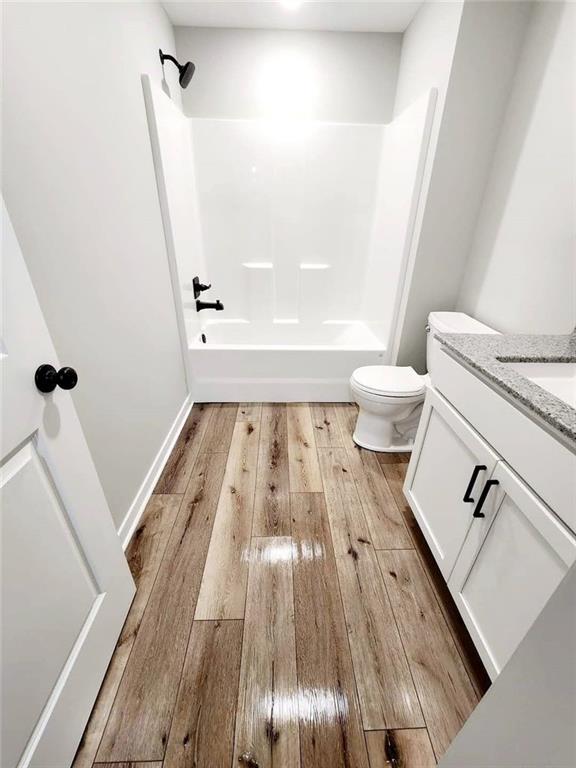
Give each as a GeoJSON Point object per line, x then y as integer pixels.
{"type": "Point", "coordinates": [130, 522]}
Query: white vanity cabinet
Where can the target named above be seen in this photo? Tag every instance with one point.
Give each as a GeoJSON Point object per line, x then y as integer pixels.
{"type": "Point", "coordinates": [449, 465]}
{"type": "Point", "coordinates": [478, 476]}
{"type": "Point", "coordinates": [512, 560]}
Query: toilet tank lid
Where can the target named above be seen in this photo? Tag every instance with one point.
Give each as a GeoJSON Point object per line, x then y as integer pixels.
{"type": "Point", "coordinates": [456, 322]}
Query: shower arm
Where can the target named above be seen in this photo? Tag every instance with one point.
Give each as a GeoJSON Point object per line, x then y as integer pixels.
{"type": "Point", "coordinates": [164, 56]}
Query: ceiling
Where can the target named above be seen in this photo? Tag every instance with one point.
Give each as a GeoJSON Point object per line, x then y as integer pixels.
{"type": "Point", "coordinates": [332, 15]}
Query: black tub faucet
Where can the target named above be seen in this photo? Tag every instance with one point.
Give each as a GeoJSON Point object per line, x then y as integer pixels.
{"type": "Point", "coordinates": [200, 305]}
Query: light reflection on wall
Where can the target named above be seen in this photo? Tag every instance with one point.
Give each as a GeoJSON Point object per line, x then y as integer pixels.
{"type": "Point", "coordinates": [287, 87]}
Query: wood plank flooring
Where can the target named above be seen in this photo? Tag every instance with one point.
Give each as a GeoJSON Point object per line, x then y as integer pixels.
{"type": "Point", "coordinates": [387, 695]}
{"type": "Point", "coordinates": [137, 728]}
{"type": "Point", "coordinates": [267, 716]}
{"type": "Point", "coordinates": [174, 478]}
{"type": "Point", "coordinates": [288, 612]}
{"type": "Point", "coordinates": [223, 591]}
{"type": "Point", "coordinates": [272, 501]}
{"type": "Point", "coordinates": [203, 724]}
{"type": "Point", "coordinates": [399, 748]}
{"type": "Point", "coordinates": [302, 456]}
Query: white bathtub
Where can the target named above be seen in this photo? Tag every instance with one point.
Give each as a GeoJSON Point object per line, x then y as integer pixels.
{"type": "Point", "coordinates": [281, 361]}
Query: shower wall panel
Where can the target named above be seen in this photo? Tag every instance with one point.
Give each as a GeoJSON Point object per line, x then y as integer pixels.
{"type": "Point", "coordinates": [176, 179]}
{"type": "Point", "coordinates": [402, 161]}
{"type": "Point", "coordinates": [287, 215]}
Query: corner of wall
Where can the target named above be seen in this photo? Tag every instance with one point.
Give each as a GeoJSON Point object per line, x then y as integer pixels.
{"type": "Point", "coordinates": [478, 84]}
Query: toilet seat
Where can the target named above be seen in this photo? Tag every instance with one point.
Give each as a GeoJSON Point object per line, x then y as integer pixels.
{"type": "Point", "coordinates": [389, 381]}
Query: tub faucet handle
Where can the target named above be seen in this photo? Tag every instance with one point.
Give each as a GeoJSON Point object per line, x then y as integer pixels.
{"type": "Point", "coordinates": [199, 287]}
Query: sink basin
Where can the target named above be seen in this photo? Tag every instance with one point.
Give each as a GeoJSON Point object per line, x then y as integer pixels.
{"type": "Point", "coordinates": [557, 378]}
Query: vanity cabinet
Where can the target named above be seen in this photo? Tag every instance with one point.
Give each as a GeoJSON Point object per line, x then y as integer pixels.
{"type": "Point", "coordinates": [512, 560]}
{"type": "Point", "coordinates": [483, 503]}
{"type": "Point", "coordinates": [450, 462]}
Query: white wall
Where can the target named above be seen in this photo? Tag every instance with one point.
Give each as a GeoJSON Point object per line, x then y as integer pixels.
{"type": "Point", "coordinates": [79, 185]}
{"type": "Point", "coordinates": [521, 274]}
{"type": "Point", "coordinates": [426, 56]}
{"type": "Point", "coordinates": [332, 76]}
{"type": "Point", "coordinates": [488, 41]}
{"type": "Point", "coordinates": [427, 53]}
{"type": "Point", "coordinates": [526, 719]}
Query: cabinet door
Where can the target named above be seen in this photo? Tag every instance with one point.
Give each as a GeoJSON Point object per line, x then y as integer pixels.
{"type": "Point", "coordinates": [448, 454]}
{"type": "Point", "coordinates": [512, 561]}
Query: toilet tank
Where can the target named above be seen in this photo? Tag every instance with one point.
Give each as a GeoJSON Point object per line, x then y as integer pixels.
{"type": "Point", "coordinates": [449, 322]}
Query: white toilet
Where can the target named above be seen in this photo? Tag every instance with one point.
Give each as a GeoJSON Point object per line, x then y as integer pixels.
{"type": "Point", "coordinates": [390, 397]}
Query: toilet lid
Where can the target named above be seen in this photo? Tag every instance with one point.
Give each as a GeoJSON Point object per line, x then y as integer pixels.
{"type": "Point", "coordinates": [392, 380]}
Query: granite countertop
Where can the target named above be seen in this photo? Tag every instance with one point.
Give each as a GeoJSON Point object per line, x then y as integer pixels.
{"type": "Point", "coordinates": [489, 353]}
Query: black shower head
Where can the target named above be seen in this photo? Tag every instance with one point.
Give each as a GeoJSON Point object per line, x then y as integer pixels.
{"type": "Point", "coordinates": [186, 73]}
{"type": "Point", "coordinates": [186, 70]}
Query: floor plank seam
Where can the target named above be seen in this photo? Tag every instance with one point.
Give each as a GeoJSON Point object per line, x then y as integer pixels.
{"type": "Point", "coordinates": [395, 549]}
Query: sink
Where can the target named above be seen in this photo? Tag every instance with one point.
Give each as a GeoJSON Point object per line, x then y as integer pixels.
{"type": "Point", "coordinates": [557, 378]}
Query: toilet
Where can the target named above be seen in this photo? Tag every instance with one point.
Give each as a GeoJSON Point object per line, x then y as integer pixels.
{"type": "Point", "coordinates": [390, 397]}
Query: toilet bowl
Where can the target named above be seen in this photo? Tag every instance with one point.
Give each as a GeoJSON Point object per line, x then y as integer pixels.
{"type": "Point", "coordinates": [390, 400]}
{"type": "Point", "coordinates": [390, 397]}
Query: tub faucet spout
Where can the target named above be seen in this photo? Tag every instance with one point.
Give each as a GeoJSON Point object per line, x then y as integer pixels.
{"type": "Point", "coordinates": [200, 305]}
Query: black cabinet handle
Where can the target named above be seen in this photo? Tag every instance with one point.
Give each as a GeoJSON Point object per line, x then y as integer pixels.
{"type": "Point", "coordinates": [47, 378]}
{"type": "Point", "coordinates": [477, 469]}
{"type": "Point", "coordinates": [483, 496]}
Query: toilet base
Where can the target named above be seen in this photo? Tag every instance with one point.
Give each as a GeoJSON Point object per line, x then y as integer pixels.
{"type": "Point", "coordinates": [387, 425]}
{"type": "Point", "coordinates": [388, 449]}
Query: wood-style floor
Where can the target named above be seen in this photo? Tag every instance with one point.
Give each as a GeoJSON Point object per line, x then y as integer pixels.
{"type": "Point", "coordinates": [288, 612]}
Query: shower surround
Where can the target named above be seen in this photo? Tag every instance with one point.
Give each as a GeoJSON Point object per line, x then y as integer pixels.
{"type": "Point", "coordinates": [304, 230]}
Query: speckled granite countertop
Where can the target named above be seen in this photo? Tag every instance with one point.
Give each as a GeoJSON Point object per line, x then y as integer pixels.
{"type": "Point", "coordinates": [489, 353]}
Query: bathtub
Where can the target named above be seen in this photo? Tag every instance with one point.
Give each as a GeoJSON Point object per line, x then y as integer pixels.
{"type": "Point", "coordinates": [279, 362]}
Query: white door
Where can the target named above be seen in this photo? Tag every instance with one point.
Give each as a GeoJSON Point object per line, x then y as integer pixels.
{"type": "Point", "coordinates": [66, 587]}
{"type": "Point", "coordinates": [514, 557]}
{"type": "Point", "coordinates": [449, 464]}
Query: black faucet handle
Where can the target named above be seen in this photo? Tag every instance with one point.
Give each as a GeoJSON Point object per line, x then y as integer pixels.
{"type": "Point", "coordinates": [199, 287]}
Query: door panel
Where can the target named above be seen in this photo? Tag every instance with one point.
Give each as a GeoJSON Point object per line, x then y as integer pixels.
{"type": "Point", "coordinates": [445, 454]}
{"type": "Point", "coordinates": [510, 565]}
{"type": "Point", "coordinates": [47, 570]}
{"type": "Point", "coordinates": [66, 586]}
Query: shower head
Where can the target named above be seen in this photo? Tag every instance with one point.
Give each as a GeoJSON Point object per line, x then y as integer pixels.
{"type": "Point", "coordinates": [186, 73]}
{"type": "Point", "coordinates": [186, 70]}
